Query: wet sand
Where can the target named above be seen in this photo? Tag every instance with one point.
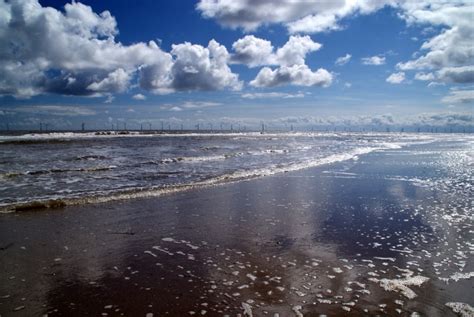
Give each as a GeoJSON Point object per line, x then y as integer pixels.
{"type": "Point", "coordinates": [328, 240]}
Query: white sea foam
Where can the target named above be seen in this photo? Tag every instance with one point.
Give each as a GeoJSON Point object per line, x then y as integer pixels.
{"type": "Point", "coordinates": [162, 250]}
{"type": "Point", "coordinates": [150, 253]}
{"type": "Point", "coordinates": [297, 310]}
{"type": "Point", "coordinates": [251, 276]}
{"type": "Point", "coordinates": [122, 134]}
{"type": "Point", "coordinates": [69, 136]}
{"type": "Point", "coordinates": [247, 309]}
{"type": "Point", "coordinates": [256, 135]}
{"type": "Point", "coordinates": [401, 285]}
{"type": "Point", "coordinates": [460, 276]}
{"type": "Point", "coordinates": [463, 309]}
{"type": "Point", "coordinates": [384, 258]}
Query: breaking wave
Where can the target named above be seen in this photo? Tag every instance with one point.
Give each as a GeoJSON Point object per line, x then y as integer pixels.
{"type": "Point", "coordinates": [154, 191]}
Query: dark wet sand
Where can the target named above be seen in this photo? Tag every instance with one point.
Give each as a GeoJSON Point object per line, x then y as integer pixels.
{"type": "Point", "coordinates": [275, 243]}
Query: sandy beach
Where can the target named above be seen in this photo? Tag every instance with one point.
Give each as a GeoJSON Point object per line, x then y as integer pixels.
{"type": "Point", "coordinates": [359, 237]}
{"type": "Point", "coordinates": [237, 158]}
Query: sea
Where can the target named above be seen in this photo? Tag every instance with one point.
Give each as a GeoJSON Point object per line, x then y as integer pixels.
{"type": "Point", "coordinates": [43, 170]}
{"type": "Point", "coordinates": [276, 224]}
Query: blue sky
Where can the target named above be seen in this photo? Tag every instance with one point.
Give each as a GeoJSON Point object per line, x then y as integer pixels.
{"type": "Point", "coordinates": [399, 63]}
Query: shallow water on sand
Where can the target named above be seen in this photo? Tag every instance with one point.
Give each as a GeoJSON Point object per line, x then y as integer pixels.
{"type": "Point", "coordinates": [388, 233]}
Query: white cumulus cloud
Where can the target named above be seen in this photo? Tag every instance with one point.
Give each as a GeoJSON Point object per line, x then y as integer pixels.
{"type": "Point", "coordinates": [116, 81]}
{"type": "Point", "coordinates": [424, 76]}
{"type": "Point", "coordinates": [290, 60]}
{"type": "Point", "coordinates": [252, 51]}
{"type": "Point", "coordinates": [74, 52]}
{"type": "Point", "coordinates": [396, 78]}
{"type": "Point", "coordinates": [299, 75]}
{"type": "Point", "coordinates": [343, 60]}
{"type": "Point", "coordinates": [373, 60]}
{"type": "Point", "coordinates": [202, 68]}
{"type": "Point", "coordinates": [297, 16]}
{"type": "Point", "coordinates": [295, 50]}
{"type": "Point", "coordinates": [450, 48]}
{"type": "Point", "coordinates": [139, 97]}
{"type": "Point", "coordinates": [451, 52]}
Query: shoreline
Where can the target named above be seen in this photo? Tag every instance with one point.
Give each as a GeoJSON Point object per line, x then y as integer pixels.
{"type": "Point", "coordinates": [301, 241]}
{"type": "Point", "coordinates": [137, 193]}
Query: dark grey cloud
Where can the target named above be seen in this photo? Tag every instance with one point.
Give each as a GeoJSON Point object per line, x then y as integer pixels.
{"type": "Point", "coordinates": [459, 75]}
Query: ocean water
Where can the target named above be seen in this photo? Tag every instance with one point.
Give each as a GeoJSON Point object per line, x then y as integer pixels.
{"type": "Point", "coordinates": [55, 169]}
{"type": "Point", "coordinates": [387, 229]}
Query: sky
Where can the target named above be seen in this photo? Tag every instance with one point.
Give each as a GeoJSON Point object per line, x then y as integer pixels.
{"type": "Point", "coordinates": [372, 63]}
